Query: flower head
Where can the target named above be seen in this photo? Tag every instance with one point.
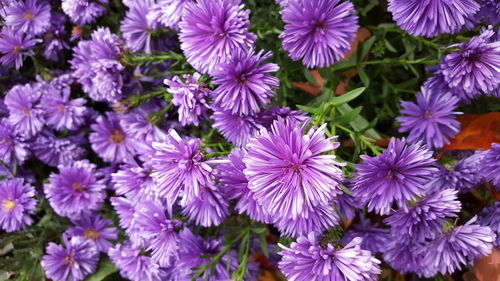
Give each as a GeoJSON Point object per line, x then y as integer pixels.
{"type": "Point", "coordinates": [60, 112]}
{"type": "Point", "coordinates": [12, 145]}
{"type": "Point", "coordinates": [17, 203]}
{"type": "Point", "coordinates": [167, 12]}
{"type": "Point", "coordinates": [55, 151]}
{"type": "Point", "coordinates": [29, 16]}
{"type": "Point", "coordinates": [235, 128]}
{"type": "Point", "coordinates": [398, 175]}
{"type": "Point", "coordinates": [319, 32]}
{"type": "Point", "coordinates": [25, 113]}
{"type": "Point", "coordinates": [82, 12]}
{"type": "Point", "coordinates": [14, 45]}
{"type": "Point", "coordinates": [323, 217]}
{"type": "Point", "coordinates": [134, 182]}
{"type": "Point", "coordinates": [491, 165]}
{"type": "Point", "coordinates": [490, 217]}
{"type": "Point", "coordinates": [268, 116]}
{"type": "Point", "coordinates": [136, 28]}
{"type": "Point", "coordinates": [53, 41]}
{"type": "Point", "coordinates": [210, 208]}
{"type": "Point", "coordinates": [134, 264]}
{"type": "Point", "coordinates": [375, 239]}
{"type": "Point", "coordinates": [94, 228]}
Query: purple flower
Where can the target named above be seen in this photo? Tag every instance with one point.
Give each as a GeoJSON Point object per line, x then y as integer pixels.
{"type": "Point", "coordinates": [94, 228]}
{"type": "Point", "coordinates": [489, 12]}
{"type": "Point", "coordinates": [17, 203]}
{"type": "Point", "coordinates": [29, 16]}
{"type": "Point", "coordinates": [424, 218]}
{"type": "Point", "coordinates": [134, 264]}
{"type": "Point", "coordinates": [432, 17]}
{"type": "Point", "coordinates": [490, 217]}
{"type": "Point", "coordinates": [179, 168]}
{"type": "Point", "coordinates": [25, 114]}
{"type": "Point", "coordinates": [125, 209]}
{"type": "Point", "coordinates": [319, 32]}
{"type": "Point", "coordinates": [154, 226]}
{"type": "Point", "coordinates": [74, 262]}
{"type": "Point", "coordinates": [82, 12]}
{"type": "Point", "coordinates": [62, 113]}
{"type": "Point", "coordinates": [75, 191]}
{"type": "Point", "coordinates": [431, 120]}
{"type": "Point", "coordinates": [55, 151]}
{"type": "Point", "coordinates": [398, 175]}
{"type": "Point", "coordinates": [207, 209]}
{"type": "Point", "coordinates": [405, 258]}
{"type": "Point", "coordinates": [14, 45]}
{"type": "Point", "coordinates": [53, 41]}
{"type": "Point", "coordinates": [307, 259]}
{"type": "Point", "coordinates": [134, 182]}
{"type": "Point", "coordinates": [109, 140]}
{"type": "Point", "coordinates": [438, 85]}
{"type": "Point", "coordinates": [375, 239]}
{"type": "Point", "coordinates": [491, 165]}
{"type": "Point", "coordinates": [460, 245]}
{"type": "Point", "coordinates": [235, 128]}
{"type": "Point", "coordinates": [288, 170]}
{"type": "Point", "coordinates": [136, 28]}
{"type": "Point", "coordinates": [346, 205]}
{"type": "Point", "coordinates": [12, 145]}
{"type": "Point", "coordinates": [475, 66]}
{"type": "Point", "coordinates": [190, 97]}
{"type": "Point", "coordinates": [267, 117]}
{"type": "Point", "coordinates": [210, 30]}
{"type": "Point", "coordinates": [244, 83]}
{"type": "Point", "coordinates": [167, 12]}
{"type": "Point", "coordinates": [319, 219]}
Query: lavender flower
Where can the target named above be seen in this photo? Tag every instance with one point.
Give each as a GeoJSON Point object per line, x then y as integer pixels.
{"type": "Point", "coordinates": [475, 66]}
{"type": "Point", "coordinates": [319, 32]}
{"type": "Point", "coordinates": [210, 30]}
{"type": "Point", "coordinates": [375, 239]}
{"type": "Point", "coordinates": [405, 257]}
{"type": "Point", "coordinates": [29, 16]}
{"type": "Point", "coordinates": [321, 218]}
{"type": "Point", "coordinates": [167, 12]}
{"type": "Point", "coordinates": [12, 145]}
{"type": "Point", "coordinates": [432, 17]}
{"type": "Point", "coordinates": [207, 209]}
{"type": "Point", "coordinates": [190, 97]}
{"type": "Point", "coordinates": [398, 175]}
{"type": "Point", "coordinates": [235, 128]}
{"type": "Point", "coordinates": [55, 151]}
{"type": "Point", "coordinates": [136, 28]}
{"type": "Point", "coordinates": [62, 113]}
{"type": "Point", "coordinates": [94, 228]}
{"type": "Point", "coordinates": [134, 182]}
{"type": "Point", "coordinates": [346, 205]}
{"type": "Point", "coordinates": [25, 114]}
{"type": "Point", "coordinates": [288, 170]}
{"type": "Point", "coordinates": [17, 203]}
{"type": "Point", "coordinates": [244, 84]}
{"type": "Point", "coordinates": [267, 117]}
{"type": "Point", "coordinates": [489, 12]}
{"type": "Point", "coordinates": [82, 12]}
{"type": "Point", "coordinates": [306, 259]}
{"type": "Point", "coordinates": [53, 41]}
{"type": "Point", "coordinates": [134, 264]}
{"type": "Point", "coordinates": [109, 140]}
{"type": "Point", "coordinates": [491, 165]}
{"type": "Point", "coordinates": [73, 262]}
{"type": "Point", "coordinates": [490, 217]}
{"type": "Point", "coordinates": [75, 190]}
{"type": "Point", "coordinates": [14, 45]}
{"type": "Point", "coordinates": [431, 120]}
{"type": "Point", "coordinates": [438, 85]}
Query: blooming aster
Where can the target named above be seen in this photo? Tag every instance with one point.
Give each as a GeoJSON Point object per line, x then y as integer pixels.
{"type": "Point", "coordinates": [431, 120]}
{"type": "Point", "coordinates": [61, 113]}
{"type": "Point", "coordinates": [126, 211]}
{"type": "Point", "coordinates": [73, 262]}
{"type": "Point", "coordinates": [438, 85]}
{"type": "Point", "coordinates": [24, 112]}
{"type": "Point", "coordinates": [398, 175]}
{"type": "Point", "coordinates": [94, 228]}
{"type": "Point", "coordinates": [491, 165]}
{"type": "Point", "coordinates": [375, 239]}
{"type": "Point", "coordinates": [235, 128]}
{"type": "Point", "coordinates": [210, 208]}
{"type": "Point", "coordinates": [134, 264]}
{"type": "Point", "coordinates": [53, 40]}
{"type": "Point", "coordinates": [136, 28]}
{"type": "Point", "coordinates": [29, 16]}
{"type": "Point", "coordinates": [432, 17]}
{"type": "Point", "coordinates": [210, 30]}
{"type": "Point", "coordinates": [12, 145]}
{"type": "Point", "coordinates": [190, 97]}
{"type": "Point", "coordinates": [167, 12]}
{"type": "Point", "coordinates": [244, 83]}
{"type": "Point", "coordinates": [82, 12]}
{"type": "Point", "coordinates": [134, 182]}
{"type": "Point", "coordinates": [319, 32]}
{"type": "Point", "coordinates": [490, 217]}
{"type": "Point", "coordinates": [55, 151]}
{"type": "Point", "coordinates": [346, 205]}
{"type": "Point", "coordinates": [476, 65]}
{"type": "Point", "coordinates": [14, 45]}
{"type": "Point", "coordinates": [288, 170]}
{"type": "Point", "coordinates": [75, 190]}
{"type": "Point", "coordinates": [306, 259]}
{"type": "Point", "coordinates": [267, 117]}
{"type": "Point", "coordinates": [17, 203]}
{"type": "Point", "coordinates": [109, 140]}
{"type": "Point", "coordinates": [321, 218]}
{"type": "Point", "coordinates": [404, 257]}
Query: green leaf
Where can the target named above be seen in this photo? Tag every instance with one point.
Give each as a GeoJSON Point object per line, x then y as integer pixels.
{"type": "Point", "coordinates": [259, 230]}
{"type": "Point", "coordinates": [307, 108]}
{"type": "Point", "coordinates": [104, 269]}
{"type": "Point", "coordinates": [309, 77]}
{"type": "Point", "coordinates": [364, 78]}
{"type": "Point", "coordinates": [347, 97]}
{"type": "Point", "coordinates": [263, 244]}
{"type": "Point", "coordinates": [389, 46]}
{"type": "Point", "coordinates": [359, 123]}
{"type": "Point", "coordinates": [367, 46]}
{"type": "Point", "coordinates": [349, 116]}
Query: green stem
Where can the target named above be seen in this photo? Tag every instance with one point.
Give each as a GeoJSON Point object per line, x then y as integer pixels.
{"type": "Point", "coordinates": [384, 61]}
{"type": "Point", "coordinates": [215, 154]}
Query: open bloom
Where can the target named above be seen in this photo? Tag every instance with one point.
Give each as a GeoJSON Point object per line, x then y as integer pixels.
{"type": "Point", "coordinates": [208, 209]}
{"type": "Point", "coordinates": [14, 45]}
{"type": "Point", "coordinates": [92, 227]}
{"type": "Point", "coordinates": [235, 128]}
{"type": "Point", "coordinates": [60, 112]}
{"type": "Point", "coordinates": [12, 145]}
{"type": "Point", "coordinates": [491, 165]}
{"type": "Point", "coordinates": [17, 203]}
{"type": "Point", "coordinates": [30, 16]}
{"type": "Point", "coordinates": [82, 12]}
{"type": "Point", "coordinates": [136, 28]}
{"type": "Point", "coordinates": [167, 12]}
{"type": "Point", "coordinates": [133, 264]}
{"type": "Point", "coordinates": [24, 112]}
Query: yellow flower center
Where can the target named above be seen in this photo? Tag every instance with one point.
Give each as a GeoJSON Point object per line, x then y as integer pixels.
{"type": "Point", "coordinates": [91, 234]}
{"type": "Point", "coordinates": [8, 205]}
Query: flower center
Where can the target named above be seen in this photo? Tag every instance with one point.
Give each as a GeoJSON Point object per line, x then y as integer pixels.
{"type": "Point", "coordinates": [91, 234]}
{"type": "Point", "coordinates": [472, 55]}
{"type": "Point", "coordinates": [117, 137]}
{"type": "Point", "coordinates": [69, 260]}
{"type": "Point", "coordinates": [26, 112]}
{"type": "Point", "coordinates": [78, 186]}
{"type": "Point", "coordinates": [77, 30]}
{"type": "Point", "coordinates": [29, 15]}
{"type": "Point", "coordinates": [8, 205]}
{"type": "Point", "coordinates": [17, 49]}
{"type": "Point", "coordinates": [61, 108]}
{"type": "Point", "coordinates": [392, 174]}
{"type": "Point", "coordinates": [428, 115]}
{"type": "Point", "coordinates": [320, 26]}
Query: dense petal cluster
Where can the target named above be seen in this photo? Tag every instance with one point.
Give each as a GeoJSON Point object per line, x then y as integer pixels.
{"type": "Point", "coordinates": [17, 203]}
{"type": "Point", "coordinates": [134, 264]}
{"type": "Point", "coordinates": [235, 128]}
{"type": "Point", "coordinates": [12, 145]}
{"type": "Point", "coordinates": [30, 16]}
{"type": "Point", "coordinates": [82, 11]}
{"type": "Point", "coordinates": [24, 111]}
{"type": "Point", "coordinates": [14, 45]}
{"type": "Point", "coordinates": [491, 165]}
{"type": "Point", "coordinates": [95, 229]}
{"type": "Point", "coordinates": [490, 217]}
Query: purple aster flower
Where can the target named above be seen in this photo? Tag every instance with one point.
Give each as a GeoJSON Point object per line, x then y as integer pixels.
{"type": "Point", "coordinates": [234, 184]}
{"type": "Point", "coordinates": [25, 114]}
{"type": "Point", "coordinates": [125, 209]}
{"type": "Point", "coordinates": [321, 218]}
{"type": "Point", "coordinates": [17, 203]}
{"type": "Point", "coordinates": [398, 175]}
{"type": "Point", "coordinates": [267, 117]}
{"type": "Point", "coordinates": [489, 12]}
{"type": "Point", "coordinates": [75, 191]}
{"type": "Point", "coordinates": [432, 17]}
{"type": "Point", "coordinates": [53, 41]}
{"type": "Point", "coordinates": [490, 217]}
{"type": "Point", "coordinates": [288, 170]}
{"type": "Point", "coordinates": [424, 218]}
{"type": "Point", "coordinates": [179, 168]}
{"type": "Point", "coordinates": [29, 16]}
{"type": "Point", "coordinates": [109, 140]}
{"type": "Point", "coordinates": [167, 12]}
{"type": "Point", "coordinates": [459, 245]}
{"type": "Point", "coordinates": [74, 262]}
{"type": "Point", "coordinates": [346, 205]}
{"type": "Point", "coordinates": [431, 120]}
{"type": "Point", "coordinates": [319, 32]}
{"type": "Point", "coordinates": [62, 113]}
{"type": "Point", "coordinates": [244, 82]}
{"type": "Point", "coordinates": [82, 12]}
{"type": "Point", "coordinates": [155, 227]}
{"type": "Point", "coordinates": [207, 209]}
{"type": "Point", "coordinates": [476, 65]}
{"type": "Point", "coordinates": [12, 145]}
{"type": "Point", "coordinates": [438, 86]}
{"type": "Point", "coordinates": [491, 165]}
{"type": "Point", "coordinates": [307, 259]}
{"type": "Point", "coordinates": [134, 182]}
{"type": "Point", "coordinates": [55, 151]}
{"type": "Point", "coordinates": [14, 45]}
{"type": "Point", "coordinates": [190, 97]}
{"type": "Point", "coordinates": [136, 28]}
{"type": "Point", "coordinates": [235, 128]}
{"type": "Point", "coordinates": [210, 30]}
{"type": "Point", "coordinates": [375, 239]}
{"type": "Point", "coordinates": [134, 264]}
{"type": "Point", "coordinates": [405, 257]}
{"type": "Point", "coordinates": [94, 228]}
